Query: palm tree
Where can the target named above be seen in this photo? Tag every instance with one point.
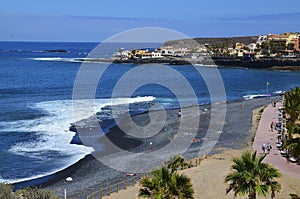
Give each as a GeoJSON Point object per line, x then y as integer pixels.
{"type": "Point", "coordinates": [292, 107]}
{"type": "Point", "coordinates": [175, 162]}
{"type": "Point", "coordinates": [166, 184]}
{"type": "Point", "coordinates": [293, 145]}
{"type": "Point", "coordinates": [292, 103]}
{"type": "Point", "coordinates": [251, 176]}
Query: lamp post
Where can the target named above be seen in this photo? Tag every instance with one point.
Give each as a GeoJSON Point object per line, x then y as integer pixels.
{"type": "Point", "coordinates": [268, 83]}
{"type": "Point", "coordinates": [68, 179]}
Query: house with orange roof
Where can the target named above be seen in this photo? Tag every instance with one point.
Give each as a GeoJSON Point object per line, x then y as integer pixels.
{"type": "Point", "coordinates": [286, 42]}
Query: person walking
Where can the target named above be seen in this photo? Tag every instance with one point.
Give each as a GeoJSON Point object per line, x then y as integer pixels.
{"type": "Point", "coordinates": [263, 147]}
{"type": "Point", "coordinates": [269, 147]}
{"type": "Point", "coordinates": [272, 126]}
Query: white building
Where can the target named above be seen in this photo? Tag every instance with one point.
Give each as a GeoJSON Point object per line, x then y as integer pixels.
{"type": "Point", "coordinates": [156, 55]}
{"type": "Point", "coordinates": [261, 39]}
{"type": "Point", "coordinates": [166, 52]}
{"type": "Point", "coordinates": [252, 47]}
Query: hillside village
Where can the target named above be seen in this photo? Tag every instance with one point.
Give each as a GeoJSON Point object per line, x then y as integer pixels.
{"type": "Point", "coordinates": [284, 45]}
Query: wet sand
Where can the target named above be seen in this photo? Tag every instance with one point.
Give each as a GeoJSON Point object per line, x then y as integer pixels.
{"type": "Point", "coordinates": [89, 174]}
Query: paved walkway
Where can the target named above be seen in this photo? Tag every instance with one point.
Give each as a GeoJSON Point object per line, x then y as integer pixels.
{"type": "Point", "coordinates": [264, 135]}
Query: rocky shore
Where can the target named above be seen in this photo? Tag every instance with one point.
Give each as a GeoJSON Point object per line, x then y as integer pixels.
{"type": "Point", "coordinates": [263, 63]}
{"type": "Point", "coordinates": [269, 63]}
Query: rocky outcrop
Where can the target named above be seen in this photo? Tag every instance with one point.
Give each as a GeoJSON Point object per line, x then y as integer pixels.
{"type": "Point", "coordinates": [263, 63]}
{"type": "Point", "coordinates": [57, 51]}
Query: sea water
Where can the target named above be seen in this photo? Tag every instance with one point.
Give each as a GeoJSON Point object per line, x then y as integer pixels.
{"type": "Point", "coordinates": [36, 88]}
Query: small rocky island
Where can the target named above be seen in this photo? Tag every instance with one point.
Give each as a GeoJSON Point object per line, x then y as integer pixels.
{"type": "Point", "coordinates": [56, 51]}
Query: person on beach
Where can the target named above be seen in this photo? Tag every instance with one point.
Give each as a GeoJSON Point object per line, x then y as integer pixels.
{"type": "Point", "coordinates": [263, 147]}
{"type": "Point", "coordinates": [287, 157]}
{"type": "Point", "coordinates": [269, 147]}
{"type": "Point", "coordinates": [272, 126]}
{"type": "Point", "coordinates": [179, 114]}
{"type": "Point", "coordinates": [151, 147]}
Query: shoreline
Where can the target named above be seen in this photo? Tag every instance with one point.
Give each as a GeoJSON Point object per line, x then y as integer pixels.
{"type": "Point", "coordinates": [89, 173]}
{"type": "Point", "coordinates": [267, 63]}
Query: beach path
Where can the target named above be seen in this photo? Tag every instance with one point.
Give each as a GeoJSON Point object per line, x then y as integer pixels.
{"type": "Point", "coordinates": [264, 135]}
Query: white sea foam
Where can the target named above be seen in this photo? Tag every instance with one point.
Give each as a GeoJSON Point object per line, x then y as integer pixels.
{"type": "Point", "coordinates": [53, 134]}
{"type": "Point", "coordinates": [58, 59]}
{"type": "Point", "coordinates": [120, 101]}
{"type": "Point", "coordinates": [249, 97]}
{"type": "Point", "coordinates": [48, 59]}
{"type": "Point", "coordinates": [97, 104]}
{"type": "Point", "coordinates": [77, 60]}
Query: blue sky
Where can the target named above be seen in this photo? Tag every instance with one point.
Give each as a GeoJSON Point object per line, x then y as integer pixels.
{"type": "Point", "coordinates": [96, 20]}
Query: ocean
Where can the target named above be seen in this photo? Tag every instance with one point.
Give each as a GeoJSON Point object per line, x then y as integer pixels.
{"type": "Point", "coordinates": [37, 88]}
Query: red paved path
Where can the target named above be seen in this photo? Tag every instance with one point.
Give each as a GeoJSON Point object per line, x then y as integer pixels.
{"type": "Point", "coordinates": [264, 135]}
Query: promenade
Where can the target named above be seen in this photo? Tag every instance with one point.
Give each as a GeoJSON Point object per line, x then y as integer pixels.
{"type": "Point", "coordinates": [264, 135]}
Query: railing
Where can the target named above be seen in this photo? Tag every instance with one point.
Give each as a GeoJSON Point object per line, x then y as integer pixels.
{"type": "Point", "coordinates": [107, 189]}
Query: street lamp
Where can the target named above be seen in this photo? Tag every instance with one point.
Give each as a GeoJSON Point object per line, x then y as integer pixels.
{"type": "Point", "coordinates": [68, 179]}
{"type": "Point", "coordinates": [268, 84]}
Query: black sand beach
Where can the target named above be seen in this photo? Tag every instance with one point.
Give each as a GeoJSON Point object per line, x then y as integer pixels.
{"type": "Point", "coordinates": [89, 174]}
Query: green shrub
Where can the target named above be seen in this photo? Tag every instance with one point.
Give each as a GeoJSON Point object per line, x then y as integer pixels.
{"type": "Point", "coordinates": [36, 193]}
{"type": "Point", "coordinates": [6, 191]}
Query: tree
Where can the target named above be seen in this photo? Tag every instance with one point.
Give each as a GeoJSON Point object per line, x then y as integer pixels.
{"type": "Point", "coordinates": [292, 108]}
{"type": "Point", "coordinates": [166, 184]}
{"type": "Point", "coordinates": [133, 51]}
{"type": "Point", "coordinates": [175, 162]}
{"type": "Point", "coordinates": [293, 146]}
{"type": "Point", "coordinates": [251, 176]}
{"type": "Point", "coordinates": [292, 103]}
{"type": "Point", "coordinates": [6, 191]}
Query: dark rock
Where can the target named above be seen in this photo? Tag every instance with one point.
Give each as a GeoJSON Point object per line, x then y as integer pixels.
{"type": "Point", "coordinates": [57, 51]}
